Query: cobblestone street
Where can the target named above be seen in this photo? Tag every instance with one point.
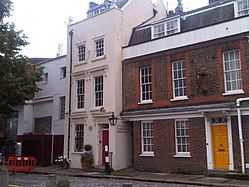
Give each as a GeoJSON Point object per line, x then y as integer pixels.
{"type": "Point", "coordinates": [38, 180]}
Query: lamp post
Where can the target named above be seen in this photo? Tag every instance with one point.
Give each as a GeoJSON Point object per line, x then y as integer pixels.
{"type": "Point", "coordinates": [113, 121]}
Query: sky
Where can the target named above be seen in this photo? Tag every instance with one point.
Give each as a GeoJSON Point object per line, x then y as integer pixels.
{"type": "Point", "coordinates": [44, 21]}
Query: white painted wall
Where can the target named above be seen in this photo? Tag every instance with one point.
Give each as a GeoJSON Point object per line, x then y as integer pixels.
{"type": "Point", "coordinates": [115, 26]}
{"type": "Point", "coordinates": [46, 102]}
{"type": "Point", "coordinates": [25, 118]}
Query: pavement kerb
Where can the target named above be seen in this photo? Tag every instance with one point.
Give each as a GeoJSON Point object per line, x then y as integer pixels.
{"type": "Point", "coordinates": [143, 179]}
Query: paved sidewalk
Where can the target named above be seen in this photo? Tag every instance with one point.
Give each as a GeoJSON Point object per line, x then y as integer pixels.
{"type": "Point", "coordinates": [130, 174]}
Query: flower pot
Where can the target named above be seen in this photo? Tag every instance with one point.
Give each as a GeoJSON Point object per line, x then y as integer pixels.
{"type": "Point", "coordinates": [86, 166]}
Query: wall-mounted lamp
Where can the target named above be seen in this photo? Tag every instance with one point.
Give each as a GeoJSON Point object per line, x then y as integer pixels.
{"type": "Point", "coordinates": [113, 119]}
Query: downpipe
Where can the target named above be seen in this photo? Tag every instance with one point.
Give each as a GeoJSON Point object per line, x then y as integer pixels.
{"type": "Point", "coordinates": [242, 154]}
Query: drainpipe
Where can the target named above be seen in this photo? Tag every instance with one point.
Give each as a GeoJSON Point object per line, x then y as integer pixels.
{"type": "Point", "coordinates": [70, 92]}
{"type": "Point", "coordinates": [238, 101]}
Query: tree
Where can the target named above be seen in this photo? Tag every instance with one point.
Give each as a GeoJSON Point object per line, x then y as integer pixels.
{"type": "Point", "coordinates": [18, 76]}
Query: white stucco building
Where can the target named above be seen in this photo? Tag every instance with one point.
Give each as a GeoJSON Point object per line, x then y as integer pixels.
{"type": "Point", "coordinates": [41, 121]}
{"type": "Point", "coordinates": [96, 89]}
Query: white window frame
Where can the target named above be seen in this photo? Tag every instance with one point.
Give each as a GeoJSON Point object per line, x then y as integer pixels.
{"type": "Point", "coordinates": [62, 108]}
{"type": "Point", "coordinates": [177, 29]}
{"type": "Point", "coordinates": [81, 51]}
{"type": "Point", "coordinates": [145, 85]}
{"type": "Point", "coordinates": [243, 11]}
{"type": "Point", "coordinates": [180, 77]}
{"type": "Point", "coordinates": [99, 47]}
{"type": "Point", "coordinates": [181, 153]}
{"type": "Point", "coordinates": [79, 130]}
{"type": "Point", "coordinates": [144, 152]}
{"type": "Point", "coordinates": [238, 70]}
{"type": "Point", "coordinates": [45, 78]}
{"type": "Point", "coordinates": [63, 72]}
{"type": "Point", "coordinates": [161, 27]}
{"type": "Point", "coordinates": [98, 91]}
{"type": "Point", "coordinates": [80, 94]}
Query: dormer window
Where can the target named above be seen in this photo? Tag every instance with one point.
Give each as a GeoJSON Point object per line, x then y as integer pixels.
{"type": "Point", "coordinates": [165, 28]}
{"type": "Point", "coordinates": [172, 26]}
{"type": "Point", "coordinates": [241, 8]}
{"type": "Point", "coordinates": [159, 30]}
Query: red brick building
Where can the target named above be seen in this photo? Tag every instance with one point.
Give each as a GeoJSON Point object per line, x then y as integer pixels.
{"type": "Point", "coordinates": [182, 76]}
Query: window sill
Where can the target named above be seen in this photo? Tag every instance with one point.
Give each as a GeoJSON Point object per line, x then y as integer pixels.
{"type": "Point", "coordinates": [145, 102]}
{"type": "Point", "coordinates": [179, 155]}
{"type": "Point", "coordinates": [99, 58]}
{"type": "Point", "coordinates": [233, 92]}
{"type": "Point", "coordinates": [77, 152]}
{"type": "Point", "coordinates": [147, 155]}
{"type": "Point", "coordinates": [179, 98]}
{"type": "Point", "coordinates": [80, 63]}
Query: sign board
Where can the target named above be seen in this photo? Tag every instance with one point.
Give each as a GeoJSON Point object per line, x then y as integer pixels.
{"type": "Point", "coordinates": [123, 129]}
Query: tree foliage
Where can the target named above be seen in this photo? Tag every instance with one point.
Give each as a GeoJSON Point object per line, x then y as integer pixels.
{"type": "Point", "coordinates": [18, 76]}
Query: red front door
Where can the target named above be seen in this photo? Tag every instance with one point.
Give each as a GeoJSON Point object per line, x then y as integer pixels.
{"type": "Point", "coordinates": [105, 141]}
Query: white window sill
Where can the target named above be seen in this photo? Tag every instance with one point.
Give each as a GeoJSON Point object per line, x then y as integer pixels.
{"type": "Point", "coordinates": [80, 63]}
{"type": "Point", "coordinates": [145, 102]}
{"type": "Point", "coordinates": [99, 58]}
{"type": "Point", "coordinates": [147, 155]}
{"type": "Point", "coordinates": [77, 152]}
{"type": "Point", "coordinates": [182, 98]}
{"type": "Point", "coordinates": [235, 92]}
{"type": "Point", "coordinates": [179, 155]}
{"type": "Point", "coordinates": [80, 110]}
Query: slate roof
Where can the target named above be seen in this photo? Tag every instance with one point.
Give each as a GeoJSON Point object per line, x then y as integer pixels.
{"type": "Point", "coordinates": [220, 106]}
{"type": "Point", "coordinates": [121, 3]}
{"type": "Point", "coordinates": [191, 20]}
{"type": "Point", "coordinates": [37, 60]}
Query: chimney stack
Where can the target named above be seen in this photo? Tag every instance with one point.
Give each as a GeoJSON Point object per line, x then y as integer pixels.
{"type": "Point", "coordinates": [92, 5]}
{"type": "Point", "coordinates": [215, 1]}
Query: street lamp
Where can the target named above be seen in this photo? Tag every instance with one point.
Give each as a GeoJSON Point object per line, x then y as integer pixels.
{"type": "Point", "coordinates": [113, 119]}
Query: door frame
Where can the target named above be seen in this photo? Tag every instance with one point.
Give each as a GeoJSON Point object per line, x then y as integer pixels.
{"type": "Point", "coordinates": [209, 144]}
{"type": "Point", "coordinates": [101, 140]}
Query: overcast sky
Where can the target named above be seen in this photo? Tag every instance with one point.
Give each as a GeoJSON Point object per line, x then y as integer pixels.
{"type": "Point", "coordinates": [44, 22]}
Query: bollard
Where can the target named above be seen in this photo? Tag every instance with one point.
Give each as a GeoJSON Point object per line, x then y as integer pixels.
{"type": "Point", "coordinates": [4, 178]}
{"type": "Point", "coordinates": [63, 183]}
{"type": "Point", "coordinates": [51, 181]}
{"type": "Point", "coordinates": [107, 160]}
{"type": "Point", "coordinates": [127, 185]}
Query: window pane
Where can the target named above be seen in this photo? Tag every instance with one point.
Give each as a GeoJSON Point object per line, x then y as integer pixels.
{"type": "Point", "coordinates": [147, 137]}
{"type": "Point", "coordinates": [232, 70]}
{"type": "Point", "coordinates": [80, 93]}
{"type": "Point", "coordinates": [146, 84]}
{"type": "Point", "coordinates": [179, 78]}
{"type": "Point", "coordinates": [182, 135]}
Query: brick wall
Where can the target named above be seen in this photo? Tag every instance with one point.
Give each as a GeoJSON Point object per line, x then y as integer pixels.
{"type": "Point", "coordinates": [206, 57]}
{"type": "Point", "coordinates": [164, 148]}
{"type": "Point", "coordinates": [236, 143]}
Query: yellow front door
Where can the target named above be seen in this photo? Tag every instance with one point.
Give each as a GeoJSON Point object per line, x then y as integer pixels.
{"type": "Point", "coordinates": [220, 147]}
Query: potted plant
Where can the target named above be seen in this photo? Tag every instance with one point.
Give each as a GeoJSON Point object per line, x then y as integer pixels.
{"type": "Point", "coordinates": [63, 161]}
{"type": "Point", "coordinates": [87, 158]}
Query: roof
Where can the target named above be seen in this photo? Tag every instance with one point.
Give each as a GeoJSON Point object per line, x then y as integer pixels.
{"type": "Point", "coordinates": [37, 60]}
{"type": "Point", "coordinates": [51, 59]}
{"type": "Point", "coordinates": [121, 3]}
{"type": "Point", "coordinates": [191, 20]}
{"type": "Point", "coordinates": [219, 106]}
